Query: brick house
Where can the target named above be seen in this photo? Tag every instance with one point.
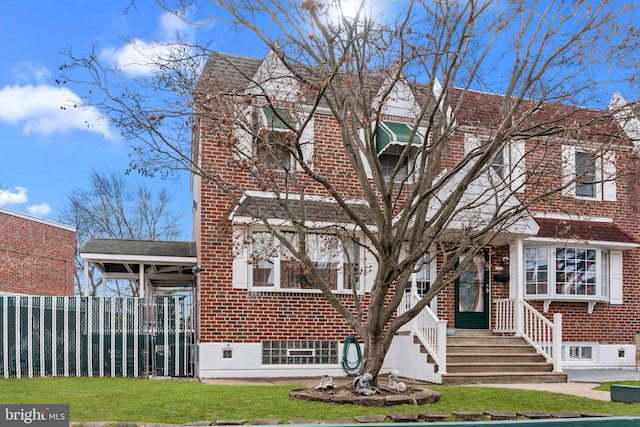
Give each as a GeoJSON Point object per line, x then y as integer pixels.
{"type": "Point", "coordinates": [573, 254]}
{"type": "Point", "coordinates": [37, 256]}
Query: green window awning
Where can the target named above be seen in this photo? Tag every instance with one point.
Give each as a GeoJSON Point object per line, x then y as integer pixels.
{"type": "Point", "coordinates": [274, 117]}
{"type": "Point", "coordinates": [395, 133]}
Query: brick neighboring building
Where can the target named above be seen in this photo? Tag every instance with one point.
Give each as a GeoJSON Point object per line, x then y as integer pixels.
{"type": "Point", "coordinates": [576, 253]}
{"type": "Point", "coordinates": [37, 256]}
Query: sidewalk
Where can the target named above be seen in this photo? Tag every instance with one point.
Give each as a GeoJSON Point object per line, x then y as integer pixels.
{"type": "Point", "coordinates": [581, 382]}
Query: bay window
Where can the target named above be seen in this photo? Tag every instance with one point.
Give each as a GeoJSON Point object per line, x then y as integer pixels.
{"type": "Point", "coordinates": [273, 266]}
{"type": "Point", "coordinates": [576, 271]}
{"type": "Point", "coordinates": [537, 271]}
{"type": "Point", "coordinates": [567, 272]}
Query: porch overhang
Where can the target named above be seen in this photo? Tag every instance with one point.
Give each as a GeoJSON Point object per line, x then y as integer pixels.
{"type": "Point", "coordinates": [598, 233]}
{"type": "Point", "coordinates": [163, 265]}
{"type": "Point", "coordinates": [285, 210]}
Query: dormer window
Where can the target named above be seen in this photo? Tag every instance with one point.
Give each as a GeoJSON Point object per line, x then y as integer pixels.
{"type": "Point", "coordinates": [391, 140]}
{"type": "Point", "coordinates": [499, 164]}
{"type": "Point", "coordinates": [389, 159]}
{"type": "Point", "coordinates": [273, 149]}
{"type": "Point", "coordinates": [272, 144]}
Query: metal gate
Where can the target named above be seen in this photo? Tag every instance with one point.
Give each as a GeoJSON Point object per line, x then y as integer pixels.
{"type": "Point", "coordinates": [86, 336]}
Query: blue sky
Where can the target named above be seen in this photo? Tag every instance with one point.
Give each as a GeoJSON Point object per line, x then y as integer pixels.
{"type": "Point", "coordinates": [46, 151]}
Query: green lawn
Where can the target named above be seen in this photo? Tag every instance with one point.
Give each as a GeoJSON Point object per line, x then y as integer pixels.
{"type": "Point", "coordinates": [157, 401]}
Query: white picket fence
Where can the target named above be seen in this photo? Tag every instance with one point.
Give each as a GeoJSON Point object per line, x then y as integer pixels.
{"type": "Point", "coordinates": [84, 336]}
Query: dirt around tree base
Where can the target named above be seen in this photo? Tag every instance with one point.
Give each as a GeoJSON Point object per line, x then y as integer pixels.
{"type": "Point", "coordinates": [382, 397]}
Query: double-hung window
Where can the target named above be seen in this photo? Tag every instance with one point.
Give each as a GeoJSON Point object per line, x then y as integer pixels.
{"type": "Point", "coordinates": [537, 270]}
{"type": "Point", "coordinates": [585, 175]}
{"type": "Point", "coordinates": [274, 138]}
{"type": "Point", "coordinates": [274, 266]}
{"type": "Point", "coordinates": [507, 162]}
{"type": "Point", "coordinates": [389, 160]}
{"type": "Point", "coordinates": [499, 164]}
{"type": "Point", "coordinates": [589, 175]}
{"type": "Point", "coordinates": [273, 149]}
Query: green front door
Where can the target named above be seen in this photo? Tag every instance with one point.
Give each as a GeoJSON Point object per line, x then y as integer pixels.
{"type": "Point", "coordinates": [472, 294]}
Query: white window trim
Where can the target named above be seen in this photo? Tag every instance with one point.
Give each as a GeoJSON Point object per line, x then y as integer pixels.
{"type": "Point", "coordinates": [243, 274]}
{"type": "Point", "coordinates": [513, 154]}
{"type": "Point", "coordinates": [245, 147]}
{"type": "Point", "coordinates": [605, 185]}
{"type": "Point", "coordinates": [595, 351]}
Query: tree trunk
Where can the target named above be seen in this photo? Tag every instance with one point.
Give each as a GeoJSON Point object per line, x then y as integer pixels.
{"type": "Point", "coordinates": [374, 356]}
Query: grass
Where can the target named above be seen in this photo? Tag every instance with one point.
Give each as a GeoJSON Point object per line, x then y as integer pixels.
{"type": "Point", "coordinates": [123, 399]}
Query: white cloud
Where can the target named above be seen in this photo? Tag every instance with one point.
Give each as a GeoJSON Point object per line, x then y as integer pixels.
{"type": "Point", "coordinates": [46, 109]}
{"type": "Point", "coordinates": [140, 57]}
{"type": "Point", "coordinates": [173, 27]}
{"type": "Point", "coordinates": [28, 71]}
{"type": "Point", "coordinates": [40, 210]}
{"type": "Point", "coordinates": [15, 197]}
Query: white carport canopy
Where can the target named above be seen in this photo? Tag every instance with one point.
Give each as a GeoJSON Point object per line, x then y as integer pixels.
{"type": "Point", "coordinates": [163, 265]}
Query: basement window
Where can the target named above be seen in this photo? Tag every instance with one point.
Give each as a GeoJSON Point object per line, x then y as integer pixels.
{"type": "Point", "coordinates": [299, 352]}
{"type": "Point", "coordinates": [578, 352]}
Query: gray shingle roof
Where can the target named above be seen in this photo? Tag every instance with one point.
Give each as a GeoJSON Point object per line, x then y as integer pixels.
{"type": "Point", "coordinates": [233, 72]}
{"type": "Point", "coordinates": [301, 210]}
{"type": "Point", "coordinates": [140, 247]}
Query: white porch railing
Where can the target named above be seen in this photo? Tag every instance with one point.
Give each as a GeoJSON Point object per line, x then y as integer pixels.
{"type": "Point", "coordinates": [522, 319]}
{"type": "Point", "coordinates": [430, 331]}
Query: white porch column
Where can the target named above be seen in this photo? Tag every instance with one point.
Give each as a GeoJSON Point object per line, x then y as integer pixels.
{"type": "Point", "coordinates": [519, 270]}
{"type": "Point", "coordinates": [141, 281]}
{"type": "Point", "coordinates": [557, 342]}
{"type": "Point", "coordinates": [86, 278]}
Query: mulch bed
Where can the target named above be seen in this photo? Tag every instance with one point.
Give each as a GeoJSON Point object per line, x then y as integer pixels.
{"type": "Point", "coordinates": [382, 397]}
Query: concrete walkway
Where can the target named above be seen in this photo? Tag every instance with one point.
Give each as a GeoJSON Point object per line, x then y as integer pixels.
{"type": "Point", "coordinates": [581, 382]}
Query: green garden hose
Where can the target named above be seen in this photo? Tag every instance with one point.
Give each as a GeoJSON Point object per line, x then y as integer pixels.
{"type": "Point", "coordinates": [351, 367]}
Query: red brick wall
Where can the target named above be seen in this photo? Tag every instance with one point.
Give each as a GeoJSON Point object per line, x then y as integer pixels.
{"type": "Point", "coordinates": [239, 315]}
{"type": "Point", "coordinates": [36, 257]}
{"type": "Point", "coordinates": [608, 323]}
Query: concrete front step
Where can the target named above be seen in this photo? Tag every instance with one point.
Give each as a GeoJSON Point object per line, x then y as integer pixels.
{"type": "Point", "coordinates": [490, 348]}
{"type": "Point", "coordinates": [468, 357]}
{"type": "Point", "coordinates": [479, 357]}
{"type": "Point", "coordinates": [503, 378]}
{"type": "Point", "coordinates": [518, 367]}
{"type": "Point", "coordinates": [492, 340]}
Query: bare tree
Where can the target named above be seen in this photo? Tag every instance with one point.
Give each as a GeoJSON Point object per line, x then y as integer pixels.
{"type": "Point", "coordinates": [539, 55]}
{"type": "Point", "coordinates": [111, 207]}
